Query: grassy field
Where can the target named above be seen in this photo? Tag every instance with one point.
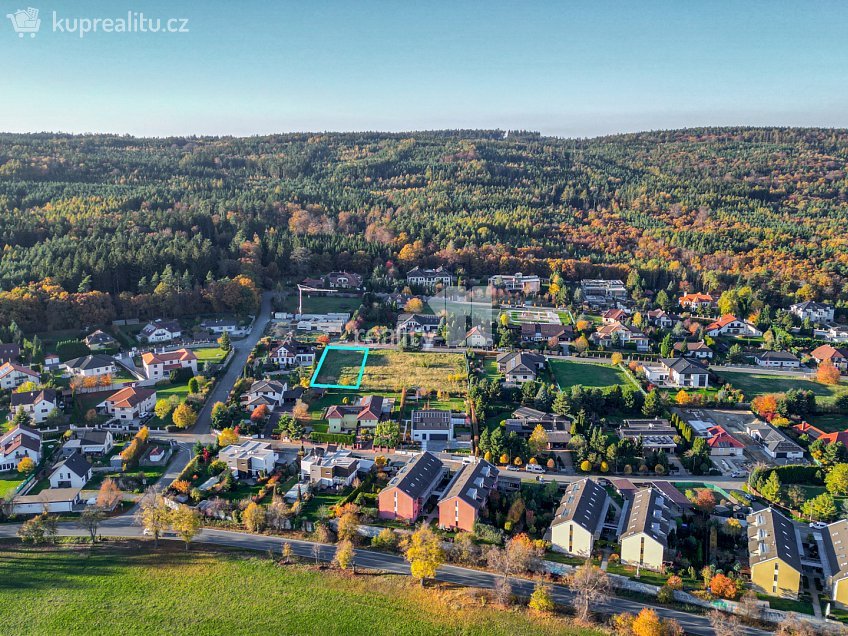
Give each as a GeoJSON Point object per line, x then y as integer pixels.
{"type": "Point", "coordinates": [754, 384]}
{"type": "Point", "coordinates": [8, 482]}
{"type": "Point", "coordinates": [393, 370]}
{"type": "Point", "coordinates": [215, 355]}
{"type": "Point", "coordinates": [568, 373]}
{"type": "Point", "coordinates": [322, 304]}
{"type": "Point", "coordinates": [81, 591]}
{"type": "Point", "coordinates": [829, 423]}
{"type": "Point", "coordinates": [340, 366]}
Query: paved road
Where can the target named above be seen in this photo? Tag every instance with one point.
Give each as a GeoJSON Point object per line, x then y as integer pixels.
{"type": "Point", "coordinates": [123, 527]}
{"type": "Point", "coordinates": [225, 383]}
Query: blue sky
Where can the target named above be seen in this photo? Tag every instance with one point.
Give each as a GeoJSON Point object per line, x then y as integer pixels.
{"type": "Point", "coordinates": [564, 68]}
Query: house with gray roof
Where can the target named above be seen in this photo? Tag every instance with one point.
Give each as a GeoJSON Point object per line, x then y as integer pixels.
{"type": "Point", "coordinates": [407, 493]}
{"type": "Point", "coordinates": [644, 542]}
{"type": "Point", "coordinates": [465, 496]}
{"type": "Point", "coordinates": [579, 518]}
{"type": "Point", "coordinates": [774, 553]}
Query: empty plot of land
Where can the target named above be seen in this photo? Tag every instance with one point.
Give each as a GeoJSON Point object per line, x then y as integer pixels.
{"type": "Point", "coordinates": [339, 367]}
{"type": "Point", "coordinates": [754, 384]}
{"type": "Point", "coordinates": [544, 316]}
{"type": "Point", "coordinates": [568, 373]}
{"type": "Point", "coordinates": [394, 370]}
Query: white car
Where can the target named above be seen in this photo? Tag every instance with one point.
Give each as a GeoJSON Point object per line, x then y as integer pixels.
{"type": "Point", "coordinates": [818, 525]}
{"type": "Point", "coordinates": [534, 468]}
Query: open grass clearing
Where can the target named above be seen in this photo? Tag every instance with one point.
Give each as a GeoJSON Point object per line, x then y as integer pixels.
{"type": "Point", "coordinates": [8, 482]}
{"type": "Point", "coordinates": [319, 304]}
{"type": "Point", "coordinates": [393, 370]}
{"type": "Point", "coordinates": [568, 373]}
{"type": "Point", "coordinates": [340, 367]}
{"type": "Point", "coordinates": [80, 591]}
{"type": "Point", "coordinates": [754, 384]}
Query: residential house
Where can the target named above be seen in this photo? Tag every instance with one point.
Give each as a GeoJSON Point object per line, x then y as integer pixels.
{"type": "Point", "coordinates": [92, 365]}
{"type": "Point", "coordinates": [833, 333]}
{"type": "Point", "coordinates": [603, 293]}
{"type": "Point", "coordinates": [98, 340]}
{"type": "Point", "coordinates": [73, 472]}
{"type": "Point", "coordinates": [517, 283]}
{"type": "Point", "coordinates": [730, 325]}
{"type": "Point", "coordinates": [524, 421]}
{"type": "Point", "coordinates": [249, 458]}
{"type": "Point", "coordinates": [478, 338]}
{"type": "Point", "coordinates": [14, 375]}
{"type": "Point", "coordinates": [51, 361]}
{"type": "Point", "coordinates": [129, 403]}
{"type": "Point", "coordinates": [838, 356]}
{"type": "Point", "coordinates": [620, 334]}
{"type": "Point", "coordinates": [544, 332]}
{"type": "Point", "coordinates": [417, 323]}
{"type": "Point", "coordinates": [833, 550]}
{"type": "Point", "coordinates": [677, 372]}
{"type": "Point", "coordinates": [813, 311]}
{"type": "Point", "coordinates": [675, 501]}
{"type": "Point", "coordinates": [366, 413]}
{"type": "Point", "coordinates": [696, 301]}
{"type": "Point", "coordinates": [332, 468]}
{"type": "Point", "coordinates": [774, 553]}
{"type": "Point", "coordinates": [89, 442]}
{"type": "Point", "coordinates": [698, 350]}
{"type": "Point", "coordinates": [774, 443]}
{"type": "Point", "coordinates": [270, 393]}
{"type": "Point", "coordinates": [408, 491]}
{"type": "Point", "coordinates": [158, 366]}
{"type": "Point", "coordinates": [434, 425]}
{"type": "Point", "coordinates": [777, 359]}
{"type": "Point", "coordinates": [10, 352]}
{"type": "Point", "coordinates": [655, 435]}
{"type": "Point", "coordinates": [53, 500]}
{"type": "Point", "coordinates": [220, 326]}
{"type": "Point", "coordinates": [37, 404]}
{"type": "Point", "coordinates": [344, 280]}
{"type": "Point", "coordinates": [520, 367]}
{"type": "Point", "coordinates": [644, 542]}
{"type": "Point", "coordinates": [612, 316]}
{"type": "Point", "coordinates": [805, 428]}
{"type": "Point", "coordinates": [662, 319]}
{"type": "Point", "coordinates": [430, 277]}
{"type": "Point", "coordinates": [160, 330]}
{"type": "Point", "coordinates": [467, 493]}
{"type": "Point", "coordinates": [290, 353]}
{"type": "Point", "coordinates": [20, 442]}
{"type": "Point", "coordinates": [331, 323]}
{"type": "Point", "coordinates": [723, 444]}
{"type": "Point", "coordinates": [579, 518]}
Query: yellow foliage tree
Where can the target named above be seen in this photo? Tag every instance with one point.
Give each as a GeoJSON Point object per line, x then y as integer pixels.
{"type": "Point", "coordinates": [682, 397]}
{"type": "Point", "coordinates": [184, 416]}
{"type": "Point", "coordinates": [827, 373]}
{"type": "Point", "coordinates": [227, 437]}
{"type": "Point", "coordinates": [617, 358]}
{"type": "Point", "coordinates": [26, 466]}
{"type": "Point", "coordinates": [585, 465]}
{"type": "Point", "coordinates": [253, 517]}
{"type": "Point", "coordinates": [424, 553]}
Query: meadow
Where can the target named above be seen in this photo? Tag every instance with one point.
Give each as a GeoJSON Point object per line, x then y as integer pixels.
{"type": "Point", "coordinates": [128, 589]}
{"type": "Point", "coordinates": [568, 373]}
{"type": "Point", "coordinates": [393, 370]}
{"type": "Point", "coordinates": [754, 384]}
{"type": "Point", "coordinates": [340, 367]}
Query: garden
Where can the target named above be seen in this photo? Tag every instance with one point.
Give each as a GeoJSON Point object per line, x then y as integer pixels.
{"type": "Point", "coordinates": [568, 373]}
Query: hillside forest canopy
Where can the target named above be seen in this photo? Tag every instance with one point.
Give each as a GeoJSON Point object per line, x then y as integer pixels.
{"type": "Point", "coordinates": [95, 227]}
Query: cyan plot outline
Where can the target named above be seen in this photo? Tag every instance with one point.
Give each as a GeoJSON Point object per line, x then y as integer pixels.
{"type": "Point", "coordinates": [327, 349]}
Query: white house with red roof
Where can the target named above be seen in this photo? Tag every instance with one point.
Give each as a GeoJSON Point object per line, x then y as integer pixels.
{"type": "Point", "coordinates": [14, 375]}
{"type": "Point", "coordinates": [836, 355]}
{"type": "Point", "coordinates": [366, 413]}
{"type": "Point", "coordinates": [157, 366]}
{"type": "Point", "coordinates": [721, 443]}
{"type": "Point", "coordinates": [20, 442]}
{"type": "Point", "coordinates": [696, 301]}
{"type": "Point", "coordinates": [730, 325]}
{"type": "Point", "coordinates": [129, 403]}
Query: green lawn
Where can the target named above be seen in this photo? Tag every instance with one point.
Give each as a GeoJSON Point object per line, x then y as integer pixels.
{"type": "Point", "coordinates": [76, 591]}
{"type": "Point", "coordinates": [568, 373]}
{"type": "Point", "coordinates": [754, 384]}
{"type": "Point", "coordinates": [787, 604]}
{"type": "Point", "coordinates": [340, 366]}
{"type": "Point", "coordinates": [829, 423]}
{"type": "Point", "coordinates": [214, 355]}
{"type": "Point", "coordinates": [8, 482]}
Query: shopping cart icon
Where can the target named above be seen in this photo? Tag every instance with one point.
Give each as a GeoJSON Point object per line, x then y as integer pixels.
{"type": "Point", "coordinates": [25, 21]}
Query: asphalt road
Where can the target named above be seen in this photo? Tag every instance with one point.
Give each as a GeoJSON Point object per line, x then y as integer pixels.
{"type": "Point", "coordinates": [225, 383]}
{"type": "Point", "coordinates": [123, 527]}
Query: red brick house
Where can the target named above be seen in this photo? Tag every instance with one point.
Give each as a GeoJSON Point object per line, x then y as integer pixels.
{"type": "Point", "coordinates": [460, 506]}
{"type": "Point", "coordinates": [405, 495]}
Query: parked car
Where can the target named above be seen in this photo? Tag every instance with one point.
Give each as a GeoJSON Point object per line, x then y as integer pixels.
{"type": "Point", "coordinates": [534, 468]}
{"type": "Point", "coordinates": [738, 473]}
{"type": "Point", "coordinates": [818, 525]}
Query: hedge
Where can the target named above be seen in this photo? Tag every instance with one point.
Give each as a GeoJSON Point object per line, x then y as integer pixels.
{"type": "Point", "coordinates": [332, 438]}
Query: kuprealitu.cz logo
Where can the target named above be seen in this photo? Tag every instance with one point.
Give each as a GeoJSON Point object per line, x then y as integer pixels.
{"type": "Point", "coordinates": [28, 22]}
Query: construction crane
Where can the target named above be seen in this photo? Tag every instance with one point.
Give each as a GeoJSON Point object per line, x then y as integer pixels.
{"type": "Point", "coordinates": [307, 288]}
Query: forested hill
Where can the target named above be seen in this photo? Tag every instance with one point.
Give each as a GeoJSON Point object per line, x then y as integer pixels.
{"type": "Point", "coordinates": [766, 206]}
